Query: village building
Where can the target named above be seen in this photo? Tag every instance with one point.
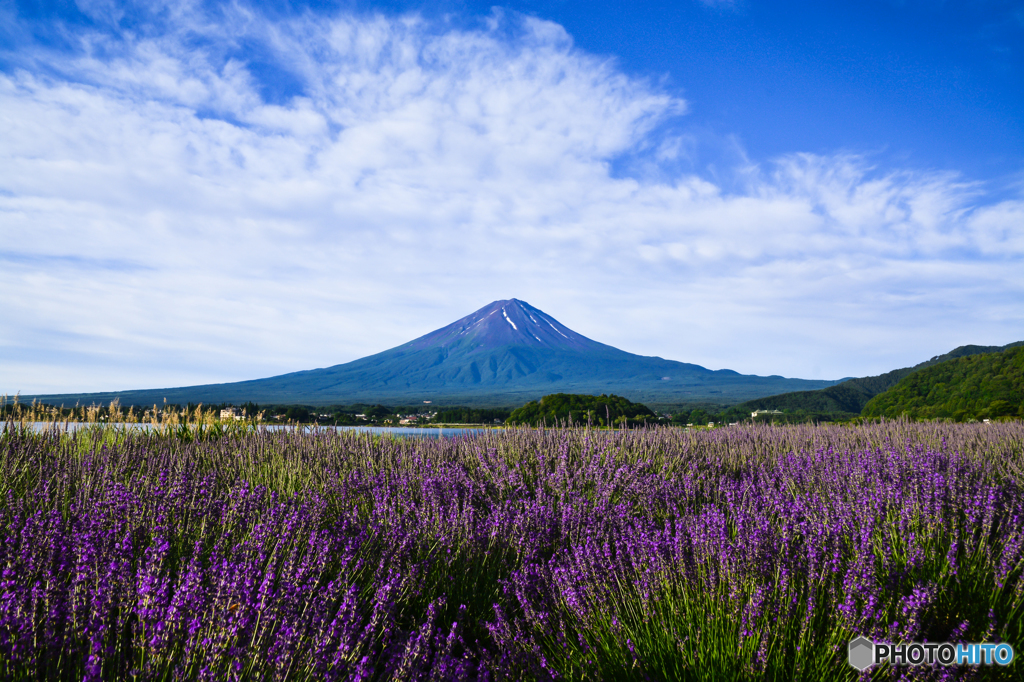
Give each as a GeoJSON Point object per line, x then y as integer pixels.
{"type": "Point", "coordinates": [762, 413]}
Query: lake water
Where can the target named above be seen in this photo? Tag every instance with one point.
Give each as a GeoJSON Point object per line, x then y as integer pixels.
{"type": "Point", "coordinates": [403, 431]}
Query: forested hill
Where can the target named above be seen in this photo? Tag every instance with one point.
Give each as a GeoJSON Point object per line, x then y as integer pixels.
{"type": "Point", "coordinates": [973, 387]}
{"type": "Point", "coordinates": [848, 399]}
{"type": "Point", "coordinates": [564, 408]}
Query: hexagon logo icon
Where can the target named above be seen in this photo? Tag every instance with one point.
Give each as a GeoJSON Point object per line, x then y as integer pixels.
{"type": "Point", "coordinates": [861, 654]}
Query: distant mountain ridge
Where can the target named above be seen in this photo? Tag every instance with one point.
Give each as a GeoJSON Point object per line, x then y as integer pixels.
{"type": "Point", "coordinates": [506, 353]}
{"type": "Point", "coordinates": [850, 397]}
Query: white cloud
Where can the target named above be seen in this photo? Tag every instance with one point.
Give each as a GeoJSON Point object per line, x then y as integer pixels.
{"type": "Point", "coordinates": [165, 222]}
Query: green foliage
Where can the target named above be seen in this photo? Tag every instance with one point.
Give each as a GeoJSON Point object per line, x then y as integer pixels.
{"type": "Point", "coordinates": [344, 419]}
{"type": "Point", "coordinates": [297, 413]}
{"type": "Point", "coordinates": [985, 386]}
{"type": "Point", "coordinates": [698, 416]}
{"type": "Point", "coordinates": [377, 412]}
{"type": "Point", "coordinates": [602, 410]}
{"type": "Point", "coordinates": [468, 415]}
{"type": "Point", "coordinates": [848, 399]}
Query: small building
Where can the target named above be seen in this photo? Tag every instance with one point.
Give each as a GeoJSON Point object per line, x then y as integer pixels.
{"type": "Point", "coordinates": [232, 413]}
{"type": "Point", "coordinates": [763, 413]}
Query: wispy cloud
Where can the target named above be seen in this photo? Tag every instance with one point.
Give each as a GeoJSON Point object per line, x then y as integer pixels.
{"type": "Point", "coordinates": [306, 191]}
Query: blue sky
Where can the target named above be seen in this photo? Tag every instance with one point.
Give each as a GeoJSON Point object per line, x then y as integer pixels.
{"type": "Point", "coordinates": [193, 193]}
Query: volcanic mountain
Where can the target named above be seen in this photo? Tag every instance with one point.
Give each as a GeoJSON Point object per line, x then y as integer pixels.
{"type": "Point", "coordinates": [506, 353]}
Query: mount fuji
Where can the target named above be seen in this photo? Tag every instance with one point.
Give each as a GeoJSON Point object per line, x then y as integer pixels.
{"type": "Point", "coordinates": [506, 353]}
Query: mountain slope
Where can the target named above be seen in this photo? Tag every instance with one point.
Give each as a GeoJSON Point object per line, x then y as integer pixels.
{"type": "Point", "coordinates": [506, 353]}
{"type": "Point", "coordinates": [973, 387]}
{"type": "Point", "coordinates": [848, 398]}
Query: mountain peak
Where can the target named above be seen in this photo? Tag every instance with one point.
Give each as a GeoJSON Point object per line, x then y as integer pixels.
{"type": "Point", "coordinates": [509, 322]}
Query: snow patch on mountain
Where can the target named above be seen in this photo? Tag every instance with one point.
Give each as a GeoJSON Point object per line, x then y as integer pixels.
{"type": "Point", "coordinates": [556, 329]}
{"type": "Point", "coordinates": [509, 320]}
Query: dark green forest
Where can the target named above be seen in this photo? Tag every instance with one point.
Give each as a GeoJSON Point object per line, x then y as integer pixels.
{"type": "Point", "coordinates": [977, 387]}
{"type": "Point", "coordinates": [602, 410]}
{"type": "Point", "coordinates": [470, 415]}
{"type": "Point", "coordinates": [848, 399]}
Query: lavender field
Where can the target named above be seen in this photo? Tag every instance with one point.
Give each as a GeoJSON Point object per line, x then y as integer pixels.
{"type": "Point", "coordinates": [519, 554]}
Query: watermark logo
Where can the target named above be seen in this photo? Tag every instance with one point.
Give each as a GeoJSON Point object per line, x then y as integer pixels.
{"type": "Point", "coordinates": [863, 653]}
